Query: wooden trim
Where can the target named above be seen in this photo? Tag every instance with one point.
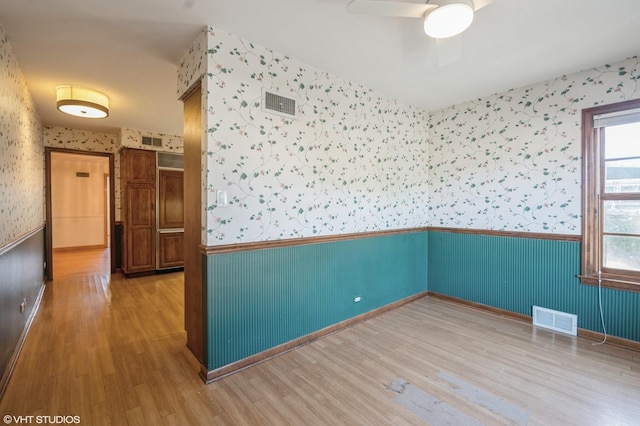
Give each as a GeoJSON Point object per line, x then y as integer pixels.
{"type": "Point", "coordinates": [195, 288]}
{"type": "Point", "coordinates": [48, 234]}
{"type": "Point", "coordinates": [12, 244]}
{"type": "Point", "coordinates": [106, 222]}
{"type": "Point", "coordinates": [4, 380]}
{"type": "Point", "coordinates": [487, 308]}
{"type": "Point", "coordinates": [592, 172]}
{"type": "Point", "coordinates": [197, 85]}
{"type": "Point", "coordinates": [48, 252]}
{"type": "Point", "coordinates": [65, 249]}
{"type": "Point", "coordinates": [611, 340]}
{"type": "Point", "coordinates": [219, 373]}
{"type": "Point", "coordinates": [261, 245]}
{"type": "Point", "coordinates": [517, 234]}
{"type": "Point", "coordinates": [608, 282]}
{"type": "Point", "coordinates": [615, 107]}
{"type": "Point", "coordinates": [587, 334]}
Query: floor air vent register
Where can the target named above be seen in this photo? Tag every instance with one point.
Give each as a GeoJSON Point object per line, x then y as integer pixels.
{"type": "Point", "coordinates": [555, 320]}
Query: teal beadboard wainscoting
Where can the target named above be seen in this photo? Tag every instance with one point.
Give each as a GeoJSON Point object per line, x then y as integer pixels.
{"type": "Point", "coordinates": [260, 299]}
{"type": "Point", "coordinates": [515, 273]}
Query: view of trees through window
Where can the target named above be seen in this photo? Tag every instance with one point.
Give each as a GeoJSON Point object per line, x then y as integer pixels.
{"type": "Point", "coordinates": [620, 197]}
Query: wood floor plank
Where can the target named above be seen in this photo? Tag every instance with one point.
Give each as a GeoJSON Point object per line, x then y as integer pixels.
{"type": "Point", "coordinates": [112, 350]}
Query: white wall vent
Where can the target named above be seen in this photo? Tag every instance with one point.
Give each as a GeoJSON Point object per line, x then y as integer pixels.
{"type": "Point", "coordinates": [150, 141]}
{"type": "Point", "coordinates": [555, 320]}
{"type": "Point", "coordinates": [276, 103]}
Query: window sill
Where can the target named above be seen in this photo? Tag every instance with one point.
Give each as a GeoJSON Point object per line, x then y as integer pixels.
{"type": "Point", "coordinates": [619, 283]}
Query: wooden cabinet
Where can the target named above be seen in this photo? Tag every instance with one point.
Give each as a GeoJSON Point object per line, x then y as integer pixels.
{"type": "Point", "coordinates": [152, 236]}
{"type": "Point", "coordinates": [140, 228]}
{"type": "Point", "coordinates": [138, 210]}
{"type": "Point", "coordinates": [170, 199]}
{"type": "Point", "coordinates": [170, 249]}
{"type": "Point", "coordinates": [138, 166]}
{"type": "Point", "coordinates": [170, 218]}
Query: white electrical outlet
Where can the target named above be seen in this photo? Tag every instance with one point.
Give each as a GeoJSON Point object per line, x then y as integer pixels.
{"type": "Point", "coordinates": [357, 299]}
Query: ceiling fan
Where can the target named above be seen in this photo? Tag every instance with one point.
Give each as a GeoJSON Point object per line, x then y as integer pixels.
{"type": "Point", "coordinates": [444, 20]}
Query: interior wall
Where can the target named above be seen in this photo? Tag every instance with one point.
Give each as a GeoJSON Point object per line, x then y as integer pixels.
{"type": "Point", "coordinates": [516, 273]}
{"type": "Point", "coordinates": [512, 161]}
{"type": "Point", "coordinates": [260, 299]}
{"type": "Point", "coordinates": [78, 204]}
{"type": "Point", "coordinates": [132, 138]}
{"type": "Point", "coordinates": [82, 140]}
{"type": "Point", "coordinates": [21, 152]}
{"type": "Point", "coordinates": [21, 207]}
{"type": "Point", "coordinates": [352, 161]}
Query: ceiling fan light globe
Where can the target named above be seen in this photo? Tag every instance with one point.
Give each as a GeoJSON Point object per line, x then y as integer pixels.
{"type": "Point", "coordinates": [448, 20]}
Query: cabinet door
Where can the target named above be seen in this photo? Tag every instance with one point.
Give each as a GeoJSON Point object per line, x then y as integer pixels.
{"type": "Point", "coordinates": [171, 250]}
{"type": "Point", "coordinates": [140, 228]}
{"type": "Point", "coordinates": [140, 250]}
{"type": "Point", "coordinates": [170, 199]}
{"type": "Point", "coordinates": [139, 166]}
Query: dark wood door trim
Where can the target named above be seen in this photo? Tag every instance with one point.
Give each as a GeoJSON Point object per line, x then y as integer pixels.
{"type": "Point", "coordinates": [48, 213]}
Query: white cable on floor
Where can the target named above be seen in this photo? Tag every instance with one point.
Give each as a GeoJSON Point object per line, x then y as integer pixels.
{"type": "Point", "coordinates": [604, 329]}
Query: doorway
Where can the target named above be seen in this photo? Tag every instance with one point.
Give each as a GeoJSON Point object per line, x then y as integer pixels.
{"type": "Point", "coordinates": [79, 207]}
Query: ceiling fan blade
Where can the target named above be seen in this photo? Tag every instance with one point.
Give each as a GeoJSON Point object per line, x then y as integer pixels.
{"type": "Point", "coordinates": [389, 8]}
{"type": "Point", "coordinates": [479, 4]}
{"type": "Point", "coordinates": [449, 50]}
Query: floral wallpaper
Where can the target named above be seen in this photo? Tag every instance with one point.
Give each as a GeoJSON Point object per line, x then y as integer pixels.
{"type": "Point", "coordinates": [352, 161]}
{"type": "Point", "coordinates": [21, 152]}
{"type": "Point", "coordinates": [82, 140]}
{"type": "Point", "coordinates": [193, 65]}
{"type": "Point", "coordinates": [355, 161]}
{"type": "Point", "coordinates": [191, 69]}
{"type": "Point", "coordinates": [131, 138]}
{"type": "Point", "coordinates": [512, 161]}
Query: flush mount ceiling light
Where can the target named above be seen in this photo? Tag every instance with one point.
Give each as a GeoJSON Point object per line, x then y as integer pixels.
{"type": "Point", "coordinates": [450, 18]}
{"type": "Point", "coordinates": [82, 102]}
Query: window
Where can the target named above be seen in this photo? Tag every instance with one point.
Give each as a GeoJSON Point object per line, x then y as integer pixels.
{"type": "Point", "coordinates": [611, 195]}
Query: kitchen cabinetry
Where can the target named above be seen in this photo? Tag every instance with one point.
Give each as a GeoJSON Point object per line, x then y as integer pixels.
{"type": "Point", "coordinates": [152, 212]}
{"type": "Point", "coordinates": [170, 218]}
{"type": "Point", "coordinates": [171, 249]}
{"type": "Point", "coordinates": [138, 210]}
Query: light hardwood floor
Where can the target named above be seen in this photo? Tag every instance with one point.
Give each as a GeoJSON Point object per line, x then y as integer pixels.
{"type": "Point", "coordinates": [112, 351]}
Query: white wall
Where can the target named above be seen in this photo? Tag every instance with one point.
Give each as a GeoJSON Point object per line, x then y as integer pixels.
{"type": "Point", "coordinates": [79, 212]}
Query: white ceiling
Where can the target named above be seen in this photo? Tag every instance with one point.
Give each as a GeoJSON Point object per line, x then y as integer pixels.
{"type": "Point", "coordinates": [129, 49]}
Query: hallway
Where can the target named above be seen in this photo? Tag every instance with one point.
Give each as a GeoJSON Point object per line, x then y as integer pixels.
{"type": "Point", "coordinates": [83, 261]}
{"type": "Point", "coordinates": [107, 349]}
